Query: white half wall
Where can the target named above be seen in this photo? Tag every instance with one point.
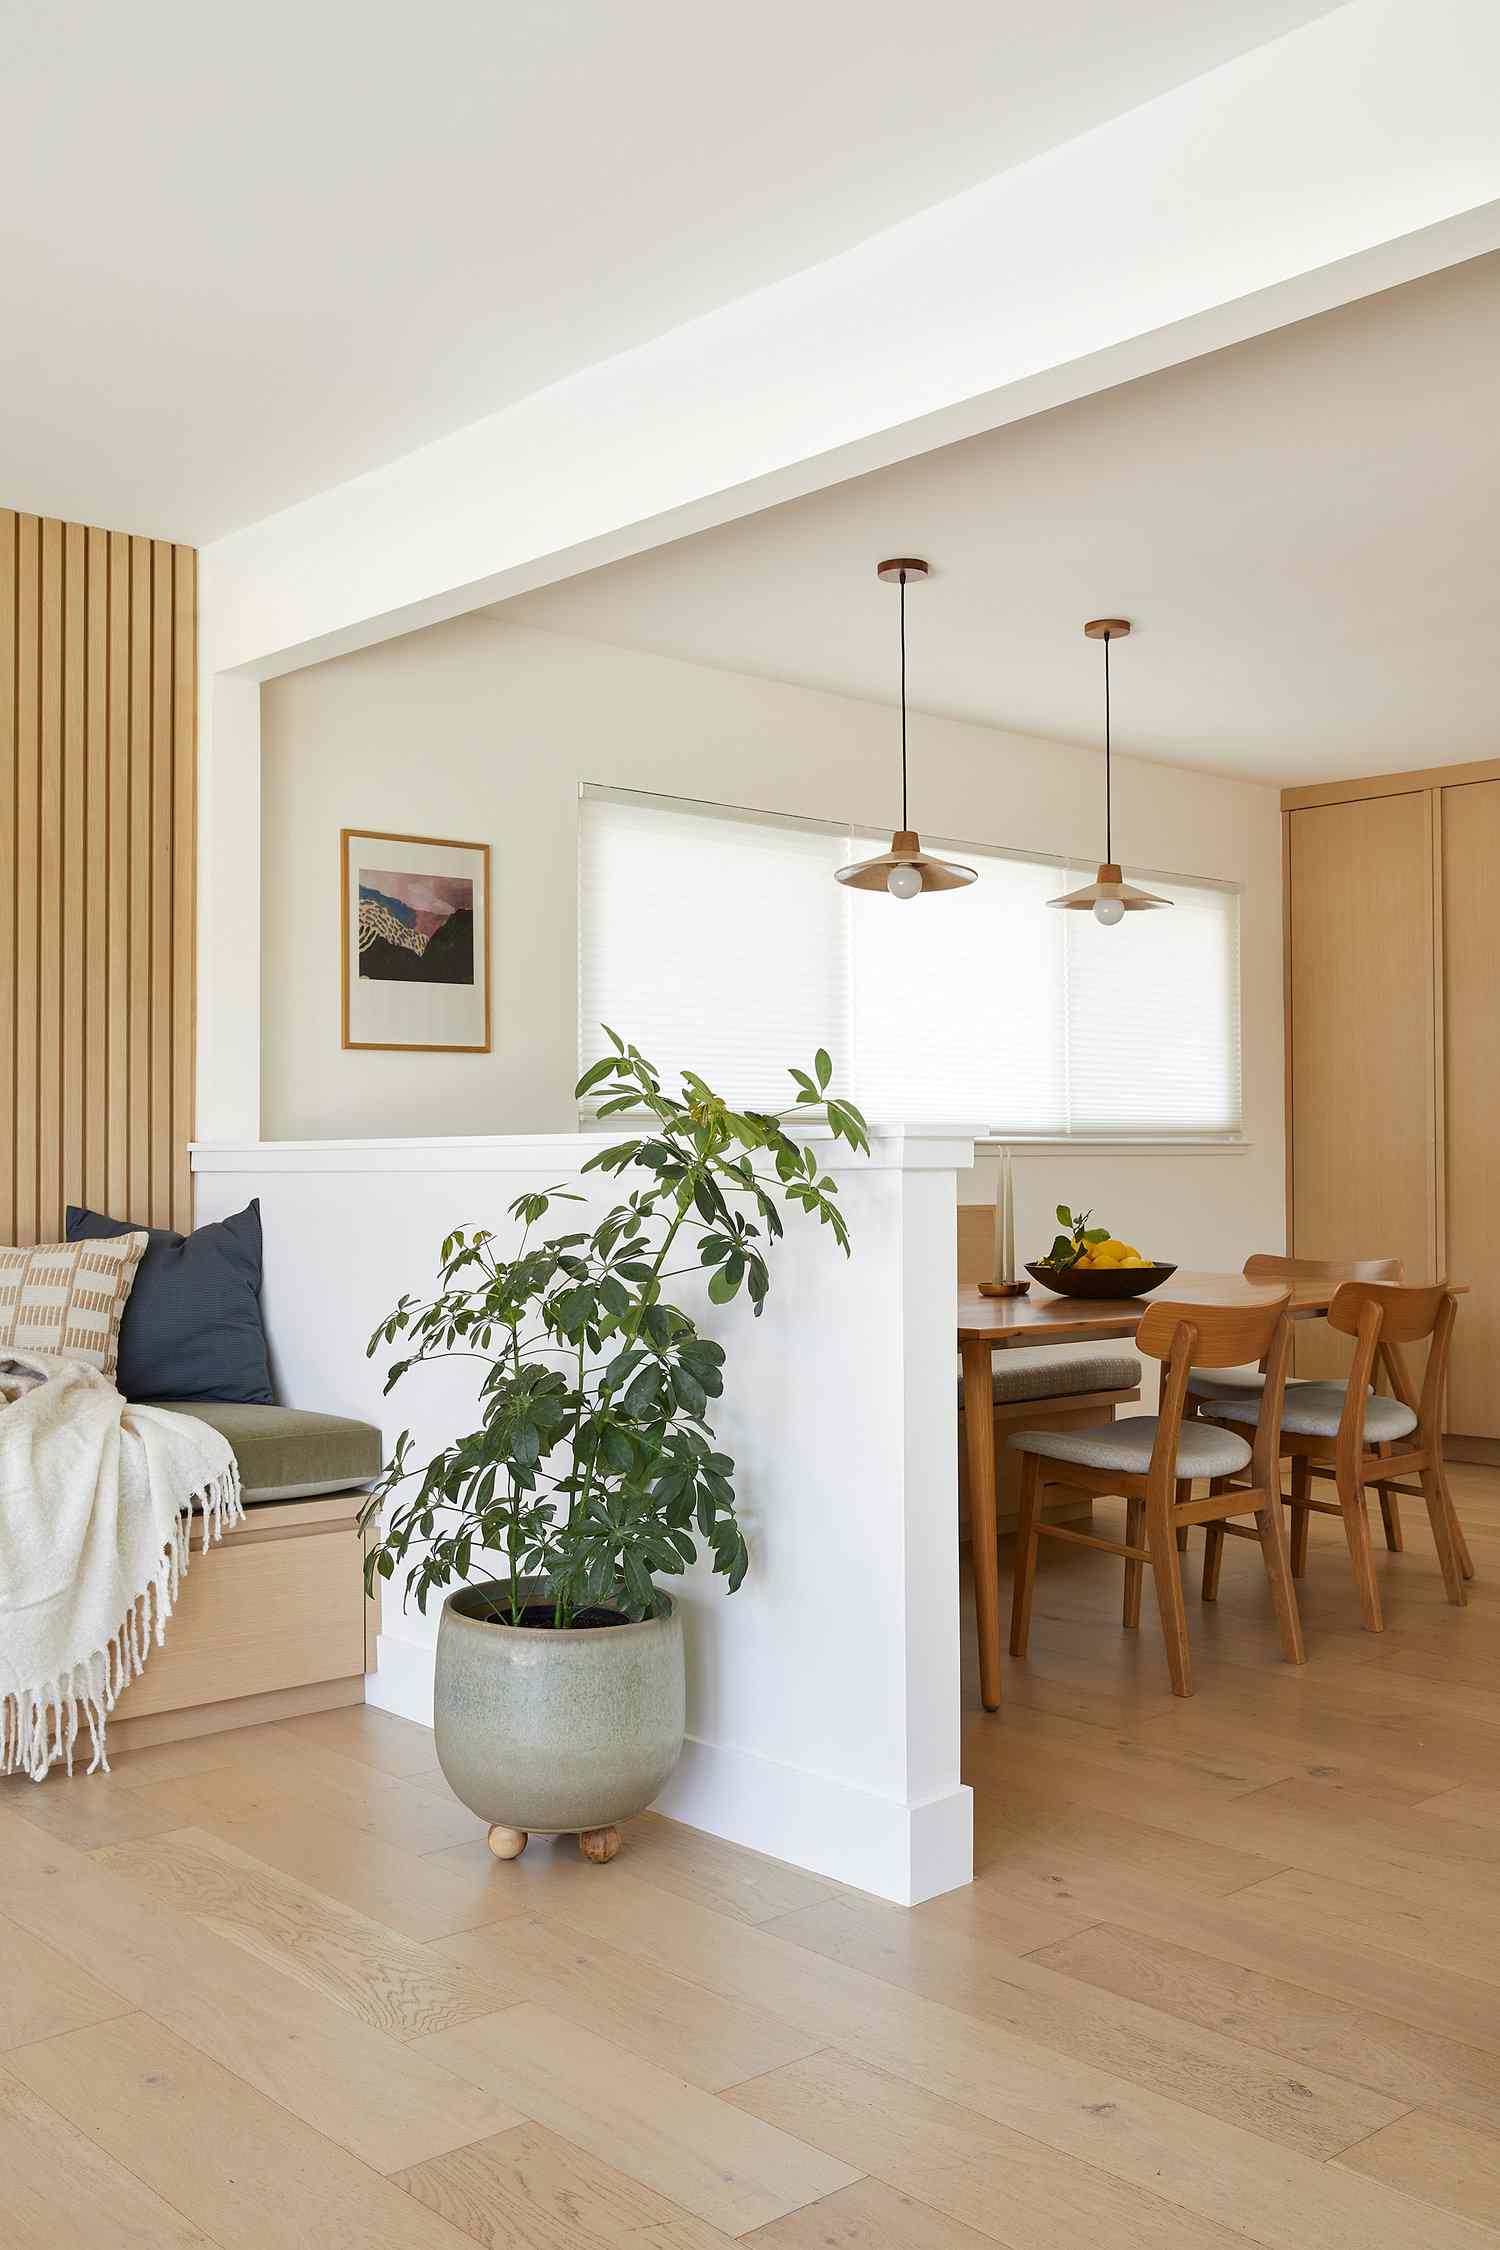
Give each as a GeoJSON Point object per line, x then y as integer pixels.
{"type": "Point", "coordinates": [823, 1697]}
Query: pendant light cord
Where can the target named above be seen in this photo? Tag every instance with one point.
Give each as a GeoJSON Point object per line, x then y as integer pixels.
{"type": "Point", "coordinates": [903, 698]}
{"type": "Point", "coordinates": [1109, 838]}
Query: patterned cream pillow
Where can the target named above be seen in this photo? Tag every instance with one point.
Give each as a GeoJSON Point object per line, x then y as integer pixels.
{"type": "Point", "coordinates": [67, 1297]}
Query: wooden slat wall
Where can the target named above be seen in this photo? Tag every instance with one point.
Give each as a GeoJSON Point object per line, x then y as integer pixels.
{"type": "Point", "coordinates": [97, 847]}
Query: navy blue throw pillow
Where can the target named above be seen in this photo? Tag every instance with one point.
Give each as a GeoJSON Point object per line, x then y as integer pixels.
{"type": "Point", "coordinates": [192, 1327]}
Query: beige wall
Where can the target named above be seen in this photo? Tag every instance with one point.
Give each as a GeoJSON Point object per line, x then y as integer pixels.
{"type": "Point", "coordinates": [484, 730]}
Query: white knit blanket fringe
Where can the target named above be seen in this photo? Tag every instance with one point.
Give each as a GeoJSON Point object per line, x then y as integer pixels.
{"type": "Point", "coordinates": [125, 1531]}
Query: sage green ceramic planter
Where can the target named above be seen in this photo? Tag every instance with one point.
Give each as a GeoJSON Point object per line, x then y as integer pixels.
{"type": "Point", "coordinates": [555, 1732]}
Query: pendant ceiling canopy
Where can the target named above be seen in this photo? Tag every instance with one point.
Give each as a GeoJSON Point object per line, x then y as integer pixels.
{"type": "Point", "coordinates": [1108, 898]}
{"type": "Point", "coordinates": [905, 871]}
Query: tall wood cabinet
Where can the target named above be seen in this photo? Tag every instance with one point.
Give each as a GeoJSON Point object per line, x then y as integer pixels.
{"type": "Point", "coordinates": [1393, 1050]}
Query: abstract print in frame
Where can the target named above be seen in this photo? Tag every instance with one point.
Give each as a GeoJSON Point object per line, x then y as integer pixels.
{"type": "Point", "coordinates": [416, 942]}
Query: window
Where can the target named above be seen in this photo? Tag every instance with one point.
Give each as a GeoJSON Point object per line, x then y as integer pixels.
{"type": "Point", "coordinates": [980, 1007]}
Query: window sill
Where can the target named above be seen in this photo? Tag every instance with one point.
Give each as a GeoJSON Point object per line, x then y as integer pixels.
{"type": "Point", "coordinates": [1119, 1144]}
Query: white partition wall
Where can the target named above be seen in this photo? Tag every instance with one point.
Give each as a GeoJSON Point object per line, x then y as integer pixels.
{"type": "Point", "coordinates": [823, 1697]}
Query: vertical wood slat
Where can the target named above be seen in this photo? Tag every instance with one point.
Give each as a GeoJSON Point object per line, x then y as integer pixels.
{"type": "Point", "coordinates": [49, 878]}
{"type": "Point", "coordinates": [96, 880]}
{"type": "Point", "coordinates": [117, 1129]}
{"type": "Point", "coordinates": [184, 878]}
{"type": "Point", "coordinates": [162, 703]}
{"type": "Point", "coordinates": [139, 1197]}
{"type": "Point", "coordinates": [28, 815]}
{"type": "Point", "coordinates": [97, 849]}
{"type": "Point", "coordinates": [7, 873]}
{"type": "Point", "coordinates": [72, 943]}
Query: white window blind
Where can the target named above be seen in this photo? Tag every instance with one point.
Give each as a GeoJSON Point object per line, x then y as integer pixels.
{"type": "Point", "coordinates": [978, 1006]}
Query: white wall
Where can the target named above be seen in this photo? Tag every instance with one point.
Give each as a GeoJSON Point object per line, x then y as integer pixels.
{"type": "Point", "coordinates": [478, 729]}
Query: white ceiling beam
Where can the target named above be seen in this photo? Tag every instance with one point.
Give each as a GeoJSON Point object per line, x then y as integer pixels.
{"type": "Point", "coordinates": [1355, 153]}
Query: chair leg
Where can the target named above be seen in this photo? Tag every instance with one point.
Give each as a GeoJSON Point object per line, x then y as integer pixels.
{"type": "Point", "coordinates": [1361, 1555]}
{"type": "Point", "coordinates": [1440, 1515]}
{"type": "Point", "coordinates": [1135, 1525]}
{"type": "Point", "coordinates": [1390, 1515]}
{"type": "Point", "coordinates": [1271, 1525]}
{"type": "Point", "coordinates": [1166, 1570]}
{"type": "Point", "coordinates": [1026, 1543]}
{"type": "Point", "coordinates": [1460, 1543]}
{"type": "Point", "coordinates": [1213, 1544]}
{"type": "Point", "coordinates": [1301, 1514]}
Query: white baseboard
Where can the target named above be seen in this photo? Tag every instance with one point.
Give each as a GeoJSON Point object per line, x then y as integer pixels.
{"type": "Point", "coordinates": [904, 1852]}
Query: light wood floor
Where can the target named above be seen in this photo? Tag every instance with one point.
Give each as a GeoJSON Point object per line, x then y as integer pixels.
{"type": "Point", "coordinates": [1230, 1971]}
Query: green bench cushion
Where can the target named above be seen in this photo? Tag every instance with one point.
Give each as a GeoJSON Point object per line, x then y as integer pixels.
{"type": "Point", "coordinates": [286, 1453]}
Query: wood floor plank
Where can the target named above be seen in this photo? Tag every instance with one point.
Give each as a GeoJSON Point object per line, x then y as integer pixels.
{"type": "Point", "coordinates": [422, 1896]}
{"type": "Point", "coordinates": [1430, 1930]}
{"type": "Point", "coordinates": [271, 1774]}
{"type": "Point", "coordinates": [528, 2189]}
{"type": "Point", "coordinates": [59, 2192]}
{"type": "Point", "coordinates": [647, 2011]}
{"type": "Point", "coordinates": [243, 2169]}
{"type": "Point", "coordinates": [868, 2216]}
{"type": "Point", "coordinates": [1303, 2108]}
{"type": "Point", "coordinates": [376, 2096]}
{"type": "Point", "coordinates": [1456, 2167]}
{"type": "Point", "coordinates": [694, 2148]}
{"type": "Point", "coordinates": [388, 1980]}
{"type": "Point", "coordinates": [86, 1811]}
{"type": "Point", "coordinates": [43, 1993]}
{"type": "Point", "coordinates": [1416, 2069]}
{"type": "Point", "coordinates": [372, 1738]}
{"type": "Point", "coordinates": [1004, 2186]}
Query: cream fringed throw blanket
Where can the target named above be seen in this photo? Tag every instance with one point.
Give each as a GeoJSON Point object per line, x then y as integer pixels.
{"type": "Point", "coordinates": [96, 1506]}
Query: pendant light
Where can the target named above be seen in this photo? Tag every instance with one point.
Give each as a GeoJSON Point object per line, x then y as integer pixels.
{"type": "Point", "coordinates": [1108, 897]}
{"type": "Point", "coordinates": [905, 869]}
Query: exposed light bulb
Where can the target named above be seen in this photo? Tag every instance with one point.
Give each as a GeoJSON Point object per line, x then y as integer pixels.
{"type": "Point", "coordinates": [904, 880]}
{"type": "Point", "coordinates": [1109, 911]}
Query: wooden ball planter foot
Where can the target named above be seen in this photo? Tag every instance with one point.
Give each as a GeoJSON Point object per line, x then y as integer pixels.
{"type": "Point", "coordinates": [599, 1844]}
{"type": "Point", "coordinates": [508, 1843]}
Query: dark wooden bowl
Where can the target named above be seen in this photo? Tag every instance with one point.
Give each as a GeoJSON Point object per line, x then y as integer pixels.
{"type": "Point", "coordinates": [1101, 1281]}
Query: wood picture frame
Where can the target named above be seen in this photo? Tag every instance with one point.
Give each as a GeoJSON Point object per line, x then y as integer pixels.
{"type": "Point", "coordinates": [423, 885]}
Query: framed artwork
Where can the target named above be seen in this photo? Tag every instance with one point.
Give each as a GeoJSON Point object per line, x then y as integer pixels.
{"type": "Point", "coordinates": [416, 942]}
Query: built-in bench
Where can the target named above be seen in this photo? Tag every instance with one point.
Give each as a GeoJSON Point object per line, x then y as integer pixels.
{"type": "Point", "coordinates": [273, 1620]}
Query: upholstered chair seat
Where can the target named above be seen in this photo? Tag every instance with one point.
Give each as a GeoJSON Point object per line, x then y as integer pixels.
{"type": "Point", "coordinates": [1316, 1409]}
{"type": "Point", "coordinates": [1202, 1450]}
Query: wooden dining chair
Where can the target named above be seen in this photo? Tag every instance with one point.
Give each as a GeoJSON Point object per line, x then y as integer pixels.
{"type": "Point", "coordinates": [1347, 1435]}
{"type": "Point", "coordinates": [1151, 1460]}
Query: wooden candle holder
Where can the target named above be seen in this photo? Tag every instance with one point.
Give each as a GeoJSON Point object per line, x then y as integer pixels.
{"type": "Point", "coordinates": [1004, 1288]}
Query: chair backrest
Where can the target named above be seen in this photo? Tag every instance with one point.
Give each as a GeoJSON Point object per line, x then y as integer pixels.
{"type": "Point", "coordinates": [1266, 1265]}
{"type": "Point", "coordinates": [1187, 1336]}
{"type": "Point", "coordinates": [1227, 1335]}
{"type": "Point", "coordinates": [1381, 1316]}
{"type": "Point", "coordinates": [1406, 1315]}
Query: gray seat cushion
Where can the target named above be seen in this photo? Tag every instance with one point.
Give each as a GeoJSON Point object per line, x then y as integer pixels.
{"type": "Point", "coordinates": [1021, 1375]}
{"type": "Point", "coordinates": [1316, 1409]}
{"type": "Point", "coordinates": [286, 1453]}
{"type": "Point", "coordinates": [1236, 1382]}
{"type": "Point", "coordinates": [1202, 1450]}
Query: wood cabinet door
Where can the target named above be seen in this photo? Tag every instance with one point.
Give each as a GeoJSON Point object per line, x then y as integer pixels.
{"type": "Point", "coordinates": [1470, 818]}
{"type": "Point", "coordinates": [1363, 1045]}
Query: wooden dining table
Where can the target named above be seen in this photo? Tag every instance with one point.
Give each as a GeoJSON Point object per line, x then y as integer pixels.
{"type": "Point", "coordinates": [987, 1325]}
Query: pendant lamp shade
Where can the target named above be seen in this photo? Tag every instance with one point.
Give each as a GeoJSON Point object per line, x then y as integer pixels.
{"type": "Point", "coordinates": [905, 871]}
{"type": "Point", "coordinates": [1109, 897]}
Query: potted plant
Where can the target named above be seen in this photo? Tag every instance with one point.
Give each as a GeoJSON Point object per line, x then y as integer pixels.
{"type": "Point", "coordinates": [593, 1473]}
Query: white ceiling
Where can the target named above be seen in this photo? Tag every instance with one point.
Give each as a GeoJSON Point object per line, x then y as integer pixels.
{"type": "Point", "coordinates": [247, 254]}
{"type": "Point", "coordinates": [1304, 530]}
